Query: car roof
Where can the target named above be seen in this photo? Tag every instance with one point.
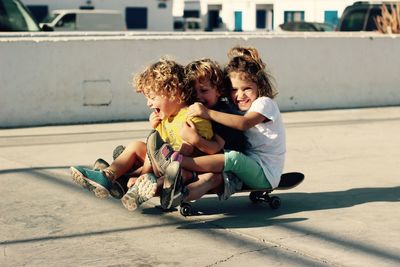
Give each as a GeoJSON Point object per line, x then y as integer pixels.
{"type": "Point", "coordinates": [86, 11]}
{"type": "Point", "coordinates": [373, 3]}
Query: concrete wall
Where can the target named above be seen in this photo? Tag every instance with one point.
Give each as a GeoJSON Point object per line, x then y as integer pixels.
{"type": "Point", "coordinates": [62, 79]}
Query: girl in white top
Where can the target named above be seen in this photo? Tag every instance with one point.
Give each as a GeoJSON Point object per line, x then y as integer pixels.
{"type": "Point", "coordinates": [251, 90]}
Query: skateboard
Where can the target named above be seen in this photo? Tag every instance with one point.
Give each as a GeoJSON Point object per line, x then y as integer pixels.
{"type": "Point", "coordinates": [288, 180]}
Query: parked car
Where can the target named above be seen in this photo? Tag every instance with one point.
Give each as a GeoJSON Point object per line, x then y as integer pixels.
{"type": "Point", "coordinates": [85, 20]}
{"type": "Point", "coordinates": [360, 16]}
{"type": "Point", "coordinates": [304, 26]}
{"type": "Point", "coordinates": [14, 16]}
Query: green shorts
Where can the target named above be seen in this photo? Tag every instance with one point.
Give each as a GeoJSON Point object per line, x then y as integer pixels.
{"type": "Point", "coordinates": [246, 169]}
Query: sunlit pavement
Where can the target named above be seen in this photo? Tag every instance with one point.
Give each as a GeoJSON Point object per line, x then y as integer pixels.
{"type": "Point", "coordinates": [345, 213]}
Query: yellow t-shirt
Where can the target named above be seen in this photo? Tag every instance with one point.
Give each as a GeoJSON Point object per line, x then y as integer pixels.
{"type": "Point", "coordinates": [169, 128]}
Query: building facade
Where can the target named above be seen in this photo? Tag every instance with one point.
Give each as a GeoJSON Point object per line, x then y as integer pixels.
{"type": "Point", "coordinates": [215, 15]}
{"type": "Point", "coordinates": [253, 15]}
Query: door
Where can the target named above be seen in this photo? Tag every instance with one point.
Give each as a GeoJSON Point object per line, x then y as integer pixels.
{"type": "Point", "coordinates": [238, 21]}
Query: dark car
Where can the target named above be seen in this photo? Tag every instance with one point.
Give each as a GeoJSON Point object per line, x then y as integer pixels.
{"type": "Point", "coordinates": [360, 16]}
{"type": "Point", "coordinates": [304, 26]}
{"type": "Point", "coordinates": [15, 17]}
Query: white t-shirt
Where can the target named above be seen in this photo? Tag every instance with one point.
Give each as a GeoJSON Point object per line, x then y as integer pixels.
{"type": "Point", "coordinates": [267, 143]}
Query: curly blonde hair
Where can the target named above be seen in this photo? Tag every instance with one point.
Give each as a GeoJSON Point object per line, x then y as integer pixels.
{"type": "Point", "coordinates": [165, 78]}
{"type": "Point", "coordinates": [204, 70]}
{"type": "Point", "coordinates": [246, 62]}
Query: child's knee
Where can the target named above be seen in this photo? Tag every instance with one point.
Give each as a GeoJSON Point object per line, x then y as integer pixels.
{"type": "Point", "coordinates": [136, 145]}
{"type": "Point", "coordinates": [188, 176]}
{"type": "Point", "coordinates": [232, 160]}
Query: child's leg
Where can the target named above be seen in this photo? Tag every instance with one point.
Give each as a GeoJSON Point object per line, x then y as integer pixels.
{"type": "Point", "coordinates": [209, 163]}
{"type": "Point", "coordinates": [134, 154]}
{"type": "Point", "coordinates": [100, 182]}
{"type": "Point", "coordinates": [205, 183]}
{"type": "Point", "coordinates": [246, 169]}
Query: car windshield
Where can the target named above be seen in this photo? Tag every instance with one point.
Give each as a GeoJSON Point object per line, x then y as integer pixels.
{"type": "Point", "coordinates": [354, 21]}
{"type": "Point", "coordinates": [14, 17]}
{"type": "Point", "coordinates": [50, 18]}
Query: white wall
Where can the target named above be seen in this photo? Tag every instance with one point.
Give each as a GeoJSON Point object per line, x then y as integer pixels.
{"type": "Point", "coordinates": [63, 79]}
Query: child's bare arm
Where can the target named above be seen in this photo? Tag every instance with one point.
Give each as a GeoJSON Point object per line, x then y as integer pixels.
{"type": "Point", "coordinates": [189, 134]}
{"type": "Point", "coordinates": [243, 123]}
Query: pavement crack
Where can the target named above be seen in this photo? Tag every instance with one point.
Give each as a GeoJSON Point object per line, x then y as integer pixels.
{"type": "Point", "coordinates": [234, 255]}
{"type": "Point", "coordinates": [269, 245]}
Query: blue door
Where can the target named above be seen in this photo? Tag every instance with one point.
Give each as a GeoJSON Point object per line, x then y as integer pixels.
{"type": "Point", "coordinates": [331, 17]}
{"type": "Point", "coordinates": [238, 21]}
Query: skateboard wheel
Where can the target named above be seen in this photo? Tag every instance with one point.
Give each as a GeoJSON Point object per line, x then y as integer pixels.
{"type": "Point", "coordinates": [186, 210]}
{"type": "Point", "coordinates": [255, 196]}
{"type": "Point", "coordinates": [275, 202]}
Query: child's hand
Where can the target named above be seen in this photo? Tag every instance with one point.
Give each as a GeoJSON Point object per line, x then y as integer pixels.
{"type": "Point", "coordinates": [199, 110]}
{"type": "Point", "coordinates": [154, 120]}
{"type": "Point", "coordinates": [189, 133]}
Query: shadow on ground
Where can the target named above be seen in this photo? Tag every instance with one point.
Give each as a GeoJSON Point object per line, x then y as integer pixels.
{"type": "Point", "coordinates": [239, 212]}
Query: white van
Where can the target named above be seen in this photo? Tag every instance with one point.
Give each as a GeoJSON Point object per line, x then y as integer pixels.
{"type": "Point", "coordinates": [85, 20]}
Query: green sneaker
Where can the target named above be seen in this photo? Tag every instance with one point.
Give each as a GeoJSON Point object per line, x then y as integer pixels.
{"type": "Point", "coordinates": [94, 181]}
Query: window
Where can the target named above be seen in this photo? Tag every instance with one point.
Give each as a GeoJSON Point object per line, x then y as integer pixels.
{"type": "Point", "coordinates": [354, 21]}
{"type": "Point", "coordinates": [213, 19]}
{"type": "Point", "coordinates": [67, 22]}
{"type": "Point", "coordinates": [178, 25]}
{"type": "Point", "coordinates": [261, 19]}
{"type": "Point", "coordinates": [373, 13]}
{"type": "Point", "coordinates": [293, 16]}
{"type": "Point", "coordinates": [191, 14]}
{"type": "Point", "coordinates": [86, 7]}
{"type": "Point", "coordinates": [39, 12]}
{"type": "Point", "coordinates": [331, 17]}
{"type": "Point", "coordinates": [15, 17]}
{"type": "Point", "coordinates": [136, 17]}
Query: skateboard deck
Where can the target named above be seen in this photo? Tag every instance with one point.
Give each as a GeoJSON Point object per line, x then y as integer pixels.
{"type": "Point", "coordinates": [288, 180]}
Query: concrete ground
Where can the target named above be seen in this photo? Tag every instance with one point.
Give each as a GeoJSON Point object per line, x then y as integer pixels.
{"type": "Point", "coordinates": [345, 213]}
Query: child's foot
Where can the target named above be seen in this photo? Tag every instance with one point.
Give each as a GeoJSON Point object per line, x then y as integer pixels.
{"type": "Point", "coordinates": [172, 187]}
{"type": "Point", "coordinates": [144, 189]}
{"type": "Point", "coordinates": [119, 187]}
{"type": "Point", "coordinates": [100, 164]}
{"type": "Point", "coordinates": [118, 151]}
{"type": "Point", "coordinates": [94, 181]}
{"type": "Point", "coordinates": [160, 153]}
